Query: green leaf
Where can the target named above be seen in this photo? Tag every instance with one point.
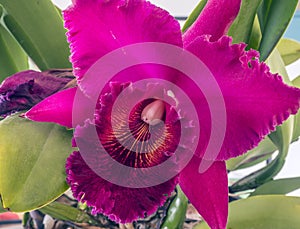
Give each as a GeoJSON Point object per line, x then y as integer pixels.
{"type": "Point", "coordinates": [26, 220]}
{"type": "Point", "coordinates": [296, 82]}
{"type": "Point", "coordinates": [282, 138]}
{"type": "Point", "coordinates": [1, 207]}
{"type": "Point", "coordinates": [241, 28]}
{"type": "Point", "coordinates": [274, 17]}
{"type": "Point", "coordinates": [263, 212]}
{"type": "Point", "coordinates": [263, 12]}
{"type": "Point", "coordinates": [260, 153]}
{"type": "Point", "coordinates": [38, 27]}
{"type": "Point", "coordinates": [296, 133]}
{"type": "Point", "coordinates": [276, 187]}
{"type": "Point", "coordinates": [256, 35]}
{"type": "Point", "coordinates": [194, 15]}
{"type": "Point", "coordinates": [289, 50]}
{"type": "Point", "coordinates": [66, 213]}
{"type": "Point", "coordinates": [277, 65]}
{"type": "Point", "coordinates": [12, 57]}
{"type": "Point", "coordinates": [32, 163]}
{"type": "Point", "coordinates": [259, 177]}
{"type": "Point", "coordinates": [176, 211]}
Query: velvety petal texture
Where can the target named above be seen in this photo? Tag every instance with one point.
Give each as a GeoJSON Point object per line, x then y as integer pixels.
{"type": "Point", "coordinates": [141, 145]}
{"type": "Point", "coordinates": [118, 203]}
{"type": "Point", "coordinates": [214, 20]}
{"type": "Point", "coordinates": [96, 27]}
{"type": "Point", "coordinates": [56, 108]}
{"type": "Point", "coordinates": [256, 100]}
{"type": "Point", "coordinates": [25, 89]}
{"type": "Point", "coordinates": [207, 191]}
{"type": "Point", "coordinates": [109, 198]}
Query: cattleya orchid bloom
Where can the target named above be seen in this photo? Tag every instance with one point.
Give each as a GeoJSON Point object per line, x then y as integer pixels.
{"type": "Point", "coordinates": [256, 101]}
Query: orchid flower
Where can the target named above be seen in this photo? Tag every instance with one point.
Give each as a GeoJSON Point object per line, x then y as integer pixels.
{"type": "Point", "coordinates": [256, 102]}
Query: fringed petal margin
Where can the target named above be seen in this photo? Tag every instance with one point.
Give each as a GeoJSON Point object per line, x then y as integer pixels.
{"type": "Point", "coordinates": [256, 100]}
{"type": "Point", "coordinates": [97, 27]}
{"type": "Point", "coordinates": [120, 204]}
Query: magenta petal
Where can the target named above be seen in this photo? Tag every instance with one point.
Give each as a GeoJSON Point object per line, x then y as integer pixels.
{"type": "Point", "coordinates": [120, 204]}
{"type": "Point", "coordinates": [256, 101]}
{"type": "Point", "coordinates": [56, 108]}
{"type": "Point", "coordinates": [214, 20]}
{"type": "Point", "coordinates": [97, 27]}
{"type": "Point", "coordinates": [207, 191]}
